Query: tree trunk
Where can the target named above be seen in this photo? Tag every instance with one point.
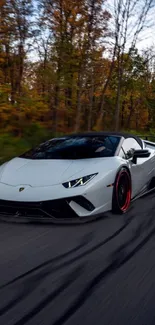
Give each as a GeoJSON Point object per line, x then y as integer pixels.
{"type": "Point", "coordinates": [91, 103]}
{"type": "Point", "coordinates": [118, 96]}
{"type": "Point", "coordinates": [13, 80]}
{"type": "Point", "coordinates": [69, 91]}
{"type": "Point", "coordinates": [131, 112]}
{"type": "Point", "coordinates": [122, 117]}
{"type": "Point", "coordinates": [79, 106]}
{"type": "Point", "coordinates": [55, 108]}
{"type": "Point", "coordinates": [21, 68]}
{"type": "Point", "coordinates": [118, 104]}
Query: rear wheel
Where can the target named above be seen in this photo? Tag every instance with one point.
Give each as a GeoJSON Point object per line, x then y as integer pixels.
{"type": "Point", "coordinates": [122, 192]}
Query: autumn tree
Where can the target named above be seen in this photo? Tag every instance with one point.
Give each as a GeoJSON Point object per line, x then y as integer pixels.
{"type": "Point", "coordinates": [59, 17]}
{"type": "Point", "coordinates": [20, 12]}
{"type": "Point", "coordinates": [16, 32]}
{"type": "Point", "coordinates": [58, 71]}
{"type": "Point", "coordinates": [130, 17]}
{"type": "Point", "coordinates": [97, 31]}
{"type": "Point", "coordinates": [77, 29]}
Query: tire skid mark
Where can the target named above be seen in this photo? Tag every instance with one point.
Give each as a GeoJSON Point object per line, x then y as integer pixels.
{"type": "Point", "coordinates": [70, 278]}
{"type": "Point", "coordinates": [147, 223]}
{"type": "Point", "coordinates": [103, 275]}
{"type": "Point", "coordinates": [118, 262]}
{"type": "Point", "coordinates": [28, 288]}
{"type": "Point", "coordinates": [33, 282]}
{"type": "Point", "coordinates": [32, 279]}
{"type": "Point", "coordinates": [57, 258]}
{"type": "Point", "coordinates": [50, 261]}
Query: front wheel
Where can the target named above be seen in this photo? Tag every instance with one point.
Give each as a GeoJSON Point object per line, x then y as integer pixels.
{"type": "Point", "coordinates": [122, 192]}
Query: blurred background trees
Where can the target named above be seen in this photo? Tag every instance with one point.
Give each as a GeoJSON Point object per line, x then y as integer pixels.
{"type": "Point", "coordinates": [68, 65]}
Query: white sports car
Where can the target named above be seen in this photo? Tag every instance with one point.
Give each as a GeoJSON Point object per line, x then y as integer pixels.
{"type": "Point", "coordinates": [77, 177]}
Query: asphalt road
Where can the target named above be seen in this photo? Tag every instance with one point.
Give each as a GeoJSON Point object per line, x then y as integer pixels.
{"type": "Point", "coordinates": [99, 273]}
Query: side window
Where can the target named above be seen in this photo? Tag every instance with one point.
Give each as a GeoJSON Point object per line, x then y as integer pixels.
{"type": "Point", "coordinates": [127, 145]}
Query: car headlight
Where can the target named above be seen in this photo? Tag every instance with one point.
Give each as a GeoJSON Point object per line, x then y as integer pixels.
{"type": "Point", "coordinates": [79, 181]}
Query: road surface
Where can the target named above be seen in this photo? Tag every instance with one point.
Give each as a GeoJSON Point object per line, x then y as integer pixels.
{"type": "Point", "coordinates": [99, 273]}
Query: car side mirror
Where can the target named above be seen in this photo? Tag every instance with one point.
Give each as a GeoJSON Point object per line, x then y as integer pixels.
{"type": "Point", "coordinates": [143, 153]}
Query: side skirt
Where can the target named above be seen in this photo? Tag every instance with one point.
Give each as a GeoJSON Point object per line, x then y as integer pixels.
{"type": "Point", "coordinates": [149, 188]}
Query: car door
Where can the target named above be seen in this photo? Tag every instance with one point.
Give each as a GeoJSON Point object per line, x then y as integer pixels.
{"type": "Point", "coordinates": [139, 171]}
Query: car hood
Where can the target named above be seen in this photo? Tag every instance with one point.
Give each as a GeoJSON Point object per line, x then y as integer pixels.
{"type": "Point", "coordinates": [39, 173]}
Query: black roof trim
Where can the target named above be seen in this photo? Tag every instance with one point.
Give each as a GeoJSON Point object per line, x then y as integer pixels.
{"type": "Point", "coordinates": [119, 134]}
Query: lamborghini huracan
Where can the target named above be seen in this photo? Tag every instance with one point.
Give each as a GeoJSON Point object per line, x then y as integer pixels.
{"type": "Point", "coordinates": [77, 177]}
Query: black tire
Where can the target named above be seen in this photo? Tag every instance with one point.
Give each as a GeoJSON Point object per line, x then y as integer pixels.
{"type": "Point", "coordinates": [122, 192]}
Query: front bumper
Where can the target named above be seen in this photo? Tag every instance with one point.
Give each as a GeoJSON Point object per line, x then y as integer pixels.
{"type": "Point", "coordinates": [55, 203]}
{"type": "Point", "coordinates": [53, 210]}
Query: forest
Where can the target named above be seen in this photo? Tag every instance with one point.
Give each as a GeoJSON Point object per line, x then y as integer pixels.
{"type": "Point", "coordinates": [69, 66]}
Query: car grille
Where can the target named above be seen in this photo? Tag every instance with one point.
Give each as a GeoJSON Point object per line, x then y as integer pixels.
{"type": "Point", "coordinates": [58, 209]}
{"type": "Point", "coordinates": [54, 209]}
{"type": "Point", "coordinates": [21, 209]}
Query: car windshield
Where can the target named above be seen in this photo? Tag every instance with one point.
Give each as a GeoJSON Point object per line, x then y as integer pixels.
{"type": "Point", "coordinates": [76, 147]}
